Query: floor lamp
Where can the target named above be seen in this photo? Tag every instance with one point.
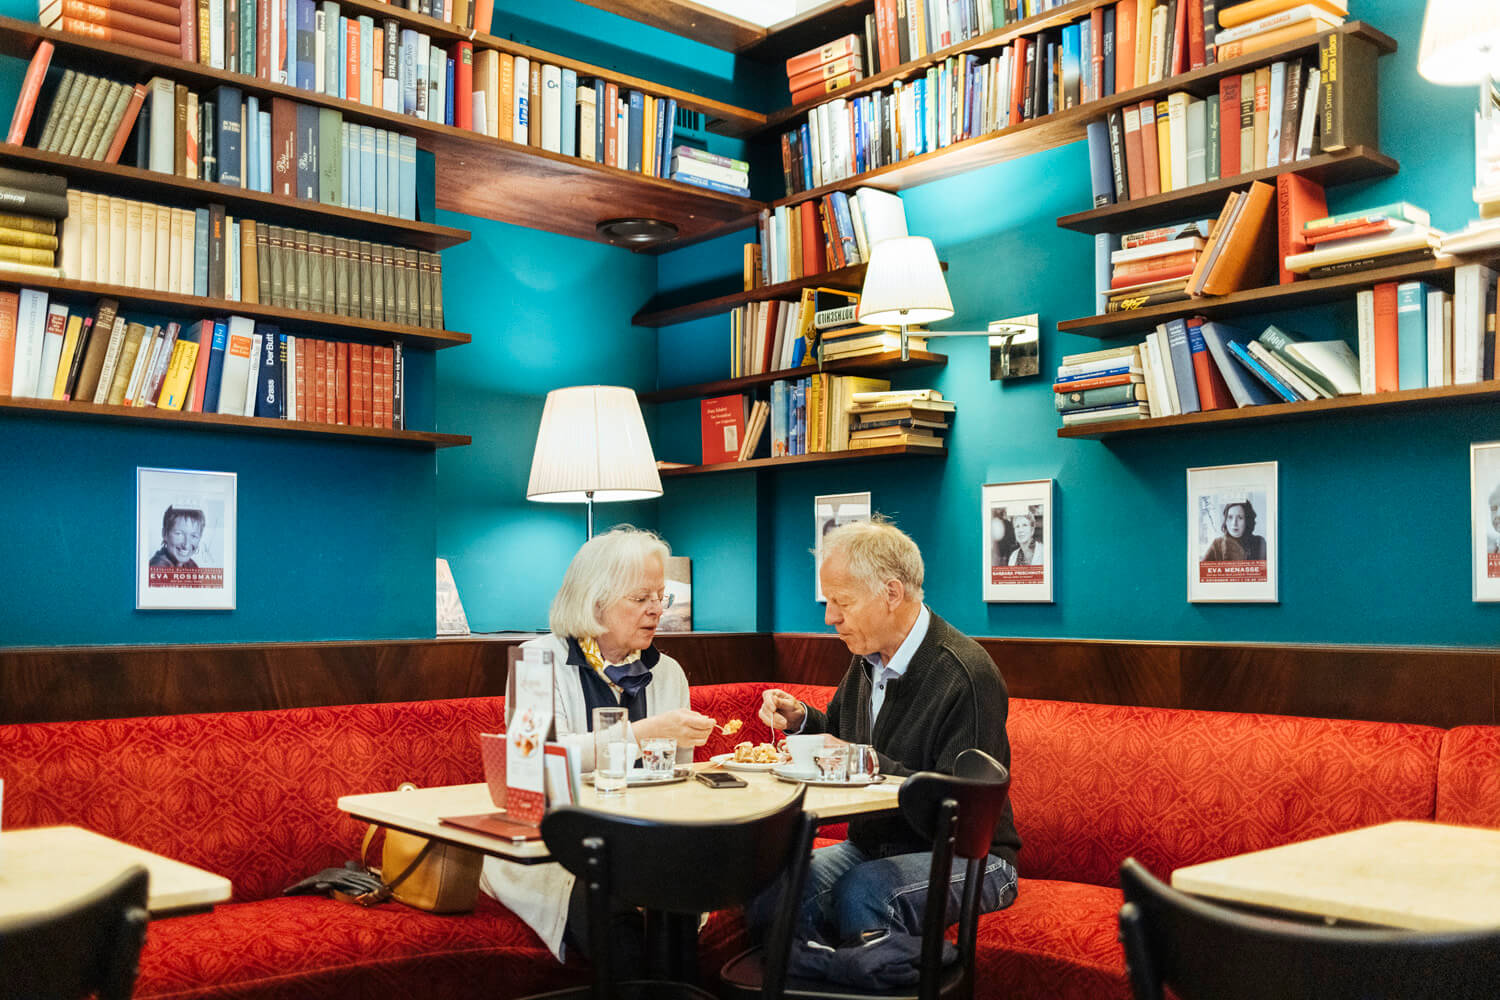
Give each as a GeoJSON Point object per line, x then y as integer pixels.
{"type": "Point", "coordinates": [592, 446]}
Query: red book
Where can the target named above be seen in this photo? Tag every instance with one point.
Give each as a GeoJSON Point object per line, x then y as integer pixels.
{"type": "Point", "coordinates": [1299, 200]}
{"type": "Point", "coordinates": [1387, 349]}
{"type": "Point", "coordinates": [1019, 59]}
{"type": "Point", "coordinates": [1179, 36]}
{"type": "Point", "coordinates": [1135, 162]}
{"type": "Point", "coordinates": [1154, 275]}
{"type": "Point", "coordinates": [330, 383]}
{"type": "Point", "coordinates": [387, 386]}
{"type": "Point", "coordinates": [484, 15]}
{"type": "Point", "coordinates": [1375, 228]}
{"type": "Point", "coordinates": [611, 114]}
{"type": "Point", "coordinates": [341, 383]}
{"type": "Point", "coordinates": [804, 61]}
{"type": "Point", "coordinates": [367, 385]}
{"type": "Point", "coordinates": [821, 87]}
{"type": "Point", "coordinates": [772, 314]}
{"type": "Point", "coordinates": [187, 21]}
{"type": "Point", "coordinates": [1150, 164]}
{"type": "Point", "coordinates": [351, 57]}
{"type": "Point", "coordinates": [1096, 43]}
{"type": "Point", "coordinates": [1229, 125]}
{"type": "Point", "coordinates": [283, 146]}
{"type": "Point", "coordinates": [1093, 383]}
{"type": "Point", "coordinates": [838, 67]}
{"type": "Point", "coordinates": [723, 428]}
{"type": "Point", "coordinates": [885, 35]}
{"type": "Point", "coordinates": [299, 377]}
{"type": "Point", "coordinates": [1125, 14]}
{"type": "Point", "coordinates": [835, 244]}
{"type": "Point", "coordinates": [812, 239]}
{"type": "Point", "coordinates": [1194, 33]}
{"type": "Point", "coordinates": [1213, 391]}
{"type": "Point", "coordinates": [122, 134]}
{"type": "Point", "coordinates": [161, 14]}
{"type": "Point", "coordinates": [263, 44]}
{"type": "Point", "coordinates": [31, 85]}
{"type": "Point", "coordinates": [120, 36]}
{"type": "Point", "coordinates": [463, 85]}
{"type": "Point", "coordinates": [200, 367]}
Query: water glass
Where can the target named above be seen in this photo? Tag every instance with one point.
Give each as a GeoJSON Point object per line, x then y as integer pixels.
{"type": "Point", "coordinates": [833, 762]}
{"type": "Point", "coordinates": [614, 750]}
{"type": "Point", "coordinates": [864, 762]}
{"type": "Point", "coordinates": [659, 755]}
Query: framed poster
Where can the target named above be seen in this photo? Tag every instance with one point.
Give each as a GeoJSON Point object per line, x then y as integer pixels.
{"type": "Point", "coordinates": [185, 524]}
{"type": "Point", "coordinates": [1018, 529]}
{"type": "Point", "coordinates": [1231, 533]}
{"type": "Point", "coordinates": [1484, 494]}
{"type": "Point", "coordinates": [828, 513]}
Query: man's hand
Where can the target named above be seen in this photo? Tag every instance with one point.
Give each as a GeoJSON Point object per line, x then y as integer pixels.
{"type": "Point", "coordinates": [687, 727]}
{"type": "Point", "coordinates": [780, 710]}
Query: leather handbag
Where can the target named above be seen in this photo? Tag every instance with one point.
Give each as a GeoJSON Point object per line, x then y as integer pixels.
{"type": "Point", "coordinates": [420, 872]}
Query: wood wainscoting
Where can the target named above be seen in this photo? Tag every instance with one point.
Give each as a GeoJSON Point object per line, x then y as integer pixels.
{"type": "Point", "coordinates": [1442, 687]}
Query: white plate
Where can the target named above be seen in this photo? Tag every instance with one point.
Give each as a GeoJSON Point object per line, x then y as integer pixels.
{"type": "Point", "coordinates": [638, 777]}
{"type": "Point", "coordinates": [811, 778]}
{"type": "Point", "coordinates": [727, 761]}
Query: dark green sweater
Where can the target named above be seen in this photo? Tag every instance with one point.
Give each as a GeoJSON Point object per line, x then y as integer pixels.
{"type": "Point", "coordinates": [951, 698]}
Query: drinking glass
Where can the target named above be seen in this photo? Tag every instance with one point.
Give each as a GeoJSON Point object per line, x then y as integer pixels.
{"type": "Point", "coordinates": [833, 762]}
{"type": "Point", "coordinates": [659, 754]}
{"type": "Point", "coordinates": [864, 763]}
{"type": "Point", "coordinates": [614, 750]}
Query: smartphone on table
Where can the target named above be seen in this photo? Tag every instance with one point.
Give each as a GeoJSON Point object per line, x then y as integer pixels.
{"type": "Point", "coordinates": [719, 779]}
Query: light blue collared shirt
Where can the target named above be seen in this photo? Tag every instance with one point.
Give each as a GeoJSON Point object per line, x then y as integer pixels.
{"type": "Point", "coordinates": [883, 673]}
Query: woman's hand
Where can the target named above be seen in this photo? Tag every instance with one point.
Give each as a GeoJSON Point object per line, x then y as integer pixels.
{"type": "Point", "coordinates": [780, 710]}
{"type": "Point", "coordinates": [687, 727]}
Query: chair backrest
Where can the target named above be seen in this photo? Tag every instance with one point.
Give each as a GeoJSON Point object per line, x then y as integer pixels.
{"type": "Point", "coordinates": [1201, 950]}
{"type": "Point", "coordinates": [684, 869]}
{"type": "Point", "coordinates": [90, 946]}
{"type": "Point", "coordinates": [958, 812]}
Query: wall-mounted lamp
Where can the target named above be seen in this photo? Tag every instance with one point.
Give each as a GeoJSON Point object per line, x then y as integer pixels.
{"type": "Point", "coordinates": [1460, 47]}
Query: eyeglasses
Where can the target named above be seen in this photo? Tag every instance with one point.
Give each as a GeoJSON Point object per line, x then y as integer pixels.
{"type": "Point", "coordinates": [641, 600]}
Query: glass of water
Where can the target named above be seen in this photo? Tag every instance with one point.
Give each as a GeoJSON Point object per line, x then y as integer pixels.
{"type": "Point", "coordinates": [659, 755]}
{"type": "Point", "coordinates": [833, 762]}
{"type": "Point", "coordinates": [864, 763]}
{"type": "Point", "coordinates": [614, 750]}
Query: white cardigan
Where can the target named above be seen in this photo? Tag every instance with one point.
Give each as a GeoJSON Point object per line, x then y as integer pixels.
{"type": "Point", "coordinates": [538, 894]}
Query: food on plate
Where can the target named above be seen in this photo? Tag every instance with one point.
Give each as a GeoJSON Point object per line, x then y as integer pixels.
{"type": "Point", "coordinates": [751, 753]}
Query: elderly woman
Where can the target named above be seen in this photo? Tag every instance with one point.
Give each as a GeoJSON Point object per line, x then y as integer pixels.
{"type": "Point", "coordinates": [1029, 549]}
{"type": "Point", "coordinates": [603, 621]}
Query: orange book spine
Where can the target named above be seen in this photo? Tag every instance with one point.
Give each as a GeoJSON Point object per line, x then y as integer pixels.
{"type": "Point", "coordinates": [826, 71]}
{"type": "Point", "coordinates": [1266, 39]}
{"type": "Point", "coordinates": [122, 134]}
{"type": "Point", "coordinates": [120, 36]}
{"type": "Point", "coordinates": [116, 17]}
{"type": "Point", "coordinates": [200, 368]}
{"type": "Point", "coordinates": [611, 128]}
{"type": "Point", "coordinates": [377, 71]}
{"type": "Point", "coordinates": [351, 59]}
{"type": "Point", "coordinates": [1387, 345]}
{"type": "Point", "coordinates": [484, 15]}
{"type": "Point", "coordinates": [299, 374]}
{"type": "Point", "coordinates": [9, 307]}
{"type": "Point", "coordinates": [31, 86]}
{"type": "Point", "coordinates": [820, 87]}
{"type": "Point", "coordinates": [1124, 45]}
{"type": "Point", "coordinates": [813, 58]}
{"type": "Point", "coordinates": [341, 383]}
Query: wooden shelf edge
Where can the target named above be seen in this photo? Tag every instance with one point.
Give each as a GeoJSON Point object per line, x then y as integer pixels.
{"type": "Point", "coordinates": [871, 363]}
{"type": "Point", "coordinates": [687, 20]}
{"type": "Point", "coordinates": [1354, 164]}
{"type": "Point", "coordinates": [403, 232]}
{"type": "Point", "coordinates": [1441, 395]}
{"type": "Point", "coordinates": [173, 304]}
{"type": "Point", "coordinates": [848, 278]}
{"type": "Point", "coordinates": [219, 421]}
{"type": "Point", "coordinates": [893, 451]}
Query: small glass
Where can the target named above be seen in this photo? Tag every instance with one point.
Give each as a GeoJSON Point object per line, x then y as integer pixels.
{"type": "Point", "coordinates": [864, 762]}
{"type": "Point", "coordinates": [833, 762]}
{"type": "Point", "coordinates": [659, 756]}
{"type": "Point", "coordinates": [614, 750]}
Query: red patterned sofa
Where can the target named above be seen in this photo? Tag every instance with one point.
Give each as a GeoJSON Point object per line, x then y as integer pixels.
{"type": "Point", "coordinates": [252, 796]}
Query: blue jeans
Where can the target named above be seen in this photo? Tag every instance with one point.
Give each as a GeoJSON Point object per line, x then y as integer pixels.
{"type": "Point", "coordinates": [847, 892]}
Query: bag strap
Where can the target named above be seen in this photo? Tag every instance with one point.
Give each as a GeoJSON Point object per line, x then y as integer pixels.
{"type": "Point", "coordinates": [386, 889]}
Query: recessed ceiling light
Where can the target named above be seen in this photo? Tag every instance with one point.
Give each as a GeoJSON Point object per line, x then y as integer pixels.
{"type": "Point", "coordinates": [636, 233]}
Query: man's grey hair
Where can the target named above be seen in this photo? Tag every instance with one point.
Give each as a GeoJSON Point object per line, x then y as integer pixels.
{"type": "Point", "coordinates": [877, 551]}
{"type": "Point", "coordinates": [607, 568]}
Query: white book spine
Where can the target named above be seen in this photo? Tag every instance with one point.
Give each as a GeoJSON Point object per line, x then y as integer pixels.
{"type": "Point", "coordinates": [165, 226]}
{"type": "Point", "coordinates": [237, 355]}
{"type": "Point", "coordinates": [144, 355]}
{"type": "Point", "coordinates": [72, 238]}
{"type": "Point", "coordinates": [552, 109]}
{"type": "Point", "coordinates": [1439, 349]}
{"type": "Point", "coordinates": [320, 67]}
{"type": "Point", "coordinates": [215, 37]}
{"type": "Point", "coordinates": [52, 343]}
{"type": "Point", "coordinates": [1273, 123]}
{"type": "Point", "coordinates": [1168, 370]}
{"type": "Point", "coordinates": [1364, 308]}
{"type": "Point", "coordinates": [278, 55]}
{"type": "Point", "coordinates": [111, 360]}
{"type": "Point", "coordinates": [252, 375]}
{"type": "Point", "coordinates": [521, 103]}
{"type": "Point", "coordinates": [147, 268]}
{"type": "Point", "coordinates": [31, 325]}
{"type": "Point", "coordinates": [1309, 115]}
{"type": "Point", "coordinates": [289, 390]}
{"type": "Point", "coordinates": [163, 97]}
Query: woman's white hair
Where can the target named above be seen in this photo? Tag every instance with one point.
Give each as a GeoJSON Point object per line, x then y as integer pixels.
{"type": "Point", "coordinates": [876, 551]}
{"type": "Point", "coordinates": [605, 569]}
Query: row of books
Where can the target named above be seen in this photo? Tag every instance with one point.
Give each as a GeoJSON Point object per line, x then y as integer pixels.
{"type": "Point", "coordinates": [1414, 335]}
{"type": "Point", "coordinates": [827, 233]}
{"type": "Point", "coordinates": [230, 365]}
{"type": "Point", "coordinates": [884, 418]}
{"type": "Point", "coordinates": [829, 67]}
{"type": "Point", "coordinates": [32, 206]}
{"type": "Point", "coordinates": [1357, 240]}
{"type": "Point", "coordinates": [1261, 119]}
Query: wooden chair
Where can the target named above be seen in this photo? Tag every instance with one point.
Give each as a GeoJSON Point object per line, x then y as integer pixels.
{"type": "Point", "coordinates": [678, 871]}
{"type": "Point", "coordinates": [91, 946]}
{"type": "Point", "coordinates": [958, 812]}
{"type": "Point", "coordinates": [1202, 950]}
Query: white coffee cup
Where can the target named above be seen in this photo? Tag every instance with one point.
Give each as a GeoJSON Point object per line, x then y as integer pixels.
{"type": "Point", "coordinates": [803, 748]}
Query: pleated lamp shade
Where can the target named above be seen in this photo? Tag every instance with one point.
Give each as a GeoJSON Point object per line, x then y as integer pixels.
{"type": "Point", "coordinates": [904, 284]}
{"type": "Point", "coordinates": [592, 440]}
{"type": "Point", "coordinates": [1460, 42]}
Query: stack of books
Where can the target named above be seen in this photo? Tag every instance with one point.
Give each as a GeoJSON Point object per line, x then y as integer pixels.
{"type": "Point", "coordinates": [144, 24]}
{"type": "Point", "coordinates": [862, 340]}
{"type": "Point", "coordinates": [882, 418]}
{"type": "Point", "coordinates": [1101, 386]}
{"type": "Point", "coordinates": [1260, 24]}
{"type": "Point", "coordinates": [825, 69]}
{"type": "Point", "coordinates": [1155, 261]}
{"type": "Point", "coordinates": [1398, 233]}
{"type": "Point", "coordinates": [32, 206]}
{"type": "Point", "coordinates": [709, 170]}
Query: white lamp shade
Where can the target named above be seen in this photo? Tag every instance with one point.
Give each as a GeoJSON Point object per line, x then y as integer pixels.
{"type": "Point", "coordinates": [592, 439]}
{"type": "Point", "coordinates": [904, 284]}
{"type": "Point", "coordinates": [1460, 42]}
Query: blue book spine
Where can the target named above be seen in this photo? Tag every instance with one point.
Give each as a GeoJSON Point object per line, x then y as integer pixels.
{"type": "Point", "coordinates": [712, 185]}
{"type": "Point", "coordinates": [793, 428]}
{"type": "Point", "coordinates": [333, 66]}
{"type": "Point", "coordinates": [307, 152]}
{"type": "Point", "coordinates": [804, 135]}
{"type": "Point", "coordinates": [1101, 170]}
{"type": "Point", "coordinates": [382, 167]}
{"type": "Point", "coordinates": [1182, 365]}
{"type": "Point", "coordinates": [1411, 335]}
{"type": "Point", "coordinates": [1261, 372]}
{"type": "Point", "coordinates": [367, 168]}
{"type": "Point", "coordinates": [437, 75]}
{"type": "Point", "coordinates": [200, 251]}
{"type": "Point", "coordinates": [1109, 51]}
{"type": "Point", "coordinates": [268, 387]}
{"type": "Point", "coordinates": [669, 131]}
{"type": "Point", "coordinates": [392, 169]}
{"type": "Point", "coordinates": [656, 134]}
{"type": "Point", "coordinates": [450, 68]}
{"type": "Point", "coordinates": [408, 177]}
{"type": "Point", "coordinates": [1105, 244]}
{"type": "Point", "coordinates": [569, 137]}
{"type": "Point", "coordinates": [228, 104]}
{"type": "Point", "coordinates": [408, 71]}
{"type": "Point", "coordinates": [845, 226]}
{"type": "Point", "coordinates": [601, 109]}
{"type": "Point", "coordinates": [263, 126]}
{"type": "Point", "coordinates": [252, 142]}
{"type": "Point", "coordinates": [859, 139]}
{"type": "Point", "coordinates": [921, 116]}
{"type": "Point", "coordinates": [306, 40]}
{"type": "Point", "coordinates": [215, 365]}
{"type": "Point", "coordinates": [1096, 373]}
{"type": "Point", "coordinates": [1246, 391]}
{"type": "Point", "coordinates": [367, 60]}
{"type": "Point", "coordinates": [341, 77]}
{"type": "Point", "coordinates": [348, 171]}
{"type": "Point", "coordinates": [636, 125]}
{"type": "Point", "coordinates": [778, 419]}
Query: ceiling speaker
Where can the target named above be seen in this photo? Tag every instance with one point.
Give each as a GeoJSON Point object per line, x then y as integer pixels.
{"type": "Point", "coordinates": [636, 233]}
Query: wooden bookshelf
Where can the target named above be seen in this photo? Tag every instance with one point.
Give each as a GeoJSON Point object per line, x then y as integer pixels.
{"type": "Point", "coordinates": [275, 209]}
{"type": "Point", "coordinates": [661, 311]}
{"type": "Point", "coordinates": [1357, 163]}
{"type": "Point", "coordinates": [1482, 392]}
{"type": "Point", "coordinates": [196, 307]}
{"type": "Point", "coordinates": [872, 364]}
{"type": "Point", "coordinates": [689, 20]}
{"type": "Point", "coordinates": [892, 451]}
{"type": "Point", "coordinates": [1063, 127]}
{"type": "Point", "coordinates": [1259, 300]}
{"type": "Point", "coordinates": [220, 422]}
{"type": "Point", "coordinates": [809, 29]}
{"type": "Point", "coordinates": [476, 174]}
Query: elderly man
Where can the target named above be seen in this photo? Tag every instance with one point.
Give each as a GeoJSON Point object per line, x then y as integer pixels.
{"type": "Point", "coordinates": [921, 692]}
